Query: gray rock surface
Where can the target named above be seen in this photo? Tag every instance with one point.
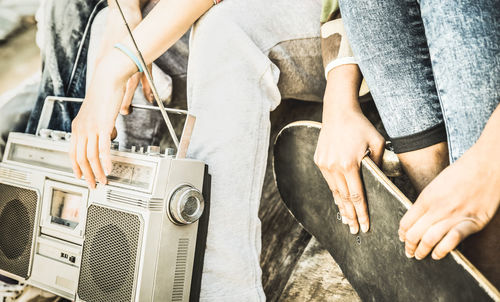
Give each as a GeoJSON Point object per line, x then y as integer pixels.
{"type": "Point", "coordinates": [317, 277]}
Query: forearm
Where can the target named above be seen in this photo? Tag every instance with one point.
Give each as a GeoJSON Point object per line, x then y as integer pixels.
{"type": "Point", "coordinates": [114, 30]}
{"type": "Point", "coordinates": [342, 90]}
{"type": "Point", "coordinates": [163, 26]}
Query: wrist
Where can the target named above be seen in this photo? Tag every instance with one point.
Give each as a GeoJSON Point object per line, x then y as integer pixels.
{"type": "Point", "coordinates": [117, 66]}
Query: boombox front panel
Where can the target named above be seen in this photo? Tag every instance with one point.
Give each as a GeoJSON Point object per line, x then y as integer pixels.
{"type": "Point", "coordinates": [109, 257]}
{"type": "Point", "coordinates": [17, 218]}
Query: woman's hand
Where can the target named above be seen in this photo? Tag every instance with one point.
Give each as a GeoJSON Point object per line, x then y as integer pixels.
{"type": "Point", "coordinates": [92, 129]}
{"type": "Point", "coordinates": [345, 136]}
{"type": "Point", "coordinates": [460, 201]}
{"type": "Point", "coordinates": [342, 144]}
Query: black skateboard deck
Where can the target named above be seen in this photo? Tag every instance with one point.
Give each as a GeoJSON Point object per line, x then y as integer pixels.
{"type": "Point", "coordinates": [373, 262]}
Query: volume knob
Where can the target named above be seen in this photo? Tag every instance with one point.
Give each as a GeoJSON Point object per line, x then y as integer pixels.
{"type": "Point", "coordinates": [186, 205]}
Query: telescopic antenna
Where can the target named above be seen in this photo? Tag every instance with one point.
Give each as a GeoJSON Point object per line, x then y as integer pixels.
{"type": "Point", "coordinates": [150, 81]}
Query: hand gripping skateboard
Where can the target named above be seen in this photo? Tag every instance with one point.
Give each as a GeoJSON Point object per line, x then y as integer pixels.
{"type": "Point", "coordinates": [373, 262]}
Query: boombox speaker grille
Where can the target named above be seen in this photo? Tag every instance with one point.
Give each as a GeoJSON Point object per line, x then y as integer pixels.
{"type": "Point", "coordinates": [17, 219]}
{"type": "Point", "coordinates": [109, 257]}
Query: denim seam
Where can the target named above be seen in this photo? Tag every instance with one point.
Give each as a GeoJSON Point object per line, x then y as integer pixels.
{"type": "Point", "coordinates": [436, 85]}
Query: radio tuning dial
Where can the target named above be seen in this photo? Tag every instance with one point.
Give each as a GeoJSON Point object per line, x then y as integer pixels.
{"type": "Point", "coordinates": [186, 205]}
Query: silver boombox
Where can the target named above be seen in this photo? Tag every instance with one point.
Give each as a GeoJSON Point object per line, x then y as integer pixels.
{"type": "Point", "coordinates": [139, 238]}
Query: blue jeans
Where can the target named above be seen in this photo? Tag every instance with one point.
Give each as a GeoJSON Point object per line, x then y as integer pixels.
{"type": "Point", "coordinates": [65, 37]}
{"type": "Point", "coordinates": [433, 67]}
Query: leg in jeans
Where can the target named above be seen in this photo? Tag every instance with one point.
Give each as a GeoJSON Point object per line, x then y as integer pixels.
{"type": "Point", "coordinates": [464, 44]}
{"type": "Point", "coordinates": [232, 87]}
{"type": "Point", "coordinates": [455, 49]}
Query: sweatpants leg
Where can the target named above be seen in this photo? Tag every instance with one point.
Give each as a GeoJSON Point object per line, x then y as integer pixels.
{"type": "Point", "coordinates": [232, 87]}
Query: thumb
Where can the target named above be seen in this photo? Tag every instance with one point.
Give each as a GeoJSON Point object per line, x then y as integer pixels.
{"type": "Point", "coordinates": [146, 88]}
{"type": "Point", "coordinates": [132, 84]}
{"type": "Point", "coordinates": [376, 149]}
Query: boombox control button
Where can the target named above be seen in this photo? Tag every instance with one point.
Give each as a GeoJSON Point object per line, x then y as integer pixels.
{"type": "Point", "coordinates": [186, 205]}
{"type": "Point", "coordinates": [45, 133]}
{"type": "Point", "coordinates": [72, 259]}
{"type": "Point", "coordinates": [153, 150]}
{"type": "Point", "coordinates": [115, 146]}
{"type": "Point", "coordinates": [58, 135]}
{"type": "Point", "coordinates": [169, 151]}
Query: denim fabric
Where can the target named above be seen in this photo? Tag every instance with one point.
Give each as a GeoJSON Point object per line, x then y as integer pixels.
{"type": "Point", "coordinates": [64, 33]}
{"type": "Point", "coordinates": [429, 62]}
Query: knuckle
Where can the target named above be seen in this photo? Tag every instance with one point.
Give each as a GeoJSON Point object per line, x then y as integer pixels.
{"type": "Point", "coordinates": [427, 242]}
{"type": "Point", "coordinates": [347, 165]}
{"type": "Point", "coordinates": [411, 241]}
{"type": "Point", "coordinates": [363, 219]}
{"type": "Point", "coordinates": [320, 163]}
{"type": "Point", "coordinates": [440, 252]}
{"type": "Point", "coordinates": [81, 160]}
{"type": "Point", "coordinates": [93, 156]}
{"type": "Point", "coordinates": [356, 198]}
{"type": "Point", "coordinates": [403, 225]}
{"type": "Point", "coordinates": [455, 236]}
{"type": "Point", "coordinates": [316, 157]}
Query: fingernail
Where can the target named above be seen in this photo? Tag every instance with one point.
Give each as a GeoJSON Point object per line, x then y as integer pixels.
{"type": "Point", "coordinates": [408, 254]}
{"type": "Point", "coordinates": [418, 257]}
{"type": "Point", "coordinates": [434, 256]}
{"type": "Point", "coordinates": [344, 220]}
{"type": "Point", "coordinates": [401, 236]}
{"type": "Point", "coordinates": [364, 228]}
{"type": "Point", "coordinates": [353, 230]}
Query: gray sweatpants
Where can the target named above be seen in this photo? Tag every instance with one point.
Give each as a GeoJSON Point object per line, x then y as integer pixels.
{"type": "Point", "coordinates": [232, 87]}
